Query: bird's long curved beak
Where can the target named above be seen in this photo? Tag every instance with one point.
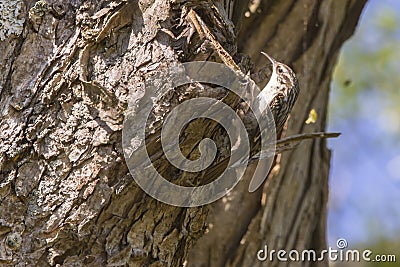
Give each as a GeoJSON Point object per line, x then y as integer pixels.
{"type": "Point", "coordinates": [273, 61]}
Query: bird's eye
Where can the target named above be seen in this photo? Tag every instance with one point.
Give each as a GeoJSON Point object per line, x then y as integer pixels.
{"type": "Point", "coordinates": [280, 70]}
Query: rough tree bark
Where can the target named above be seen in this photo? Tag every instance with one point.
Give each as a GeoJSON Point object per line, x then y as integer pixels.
{"type": "Point", "coordinates": [67, 71]}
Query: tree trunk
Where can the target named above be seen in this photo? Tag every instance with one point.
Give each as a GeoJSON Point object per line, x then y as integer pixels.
{"type": "Point", "coordinates": [69, 69]}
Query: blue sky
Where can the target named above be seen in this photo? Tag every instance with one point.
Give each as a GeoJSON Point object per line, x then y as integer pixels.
{"type": "Point", "coordinates": [364, 201]}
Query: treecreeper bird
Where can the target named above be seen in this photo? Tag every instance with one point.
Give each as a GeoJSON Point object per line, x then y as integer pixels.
{"type": "Point", "coordinates": [280, 95]}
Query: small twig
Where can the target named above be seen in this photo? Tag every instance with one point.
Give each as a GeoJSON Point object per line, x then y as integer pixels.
{"type": "Point", "coordinates": [291, 142]}
{"type": "Point", "coordinates": [204, 31]}
{"type": "Point", "coordinates": [305, 136]}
